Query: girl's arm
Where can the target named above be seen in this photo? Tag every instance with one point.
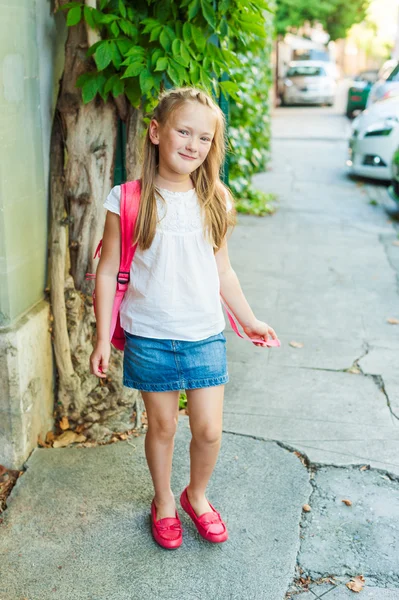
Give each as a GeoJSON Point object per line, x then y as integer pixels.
{"type": "Point", "coordinates": [106, 274]}
{"type": "Point", "coordinates": [233, 295]}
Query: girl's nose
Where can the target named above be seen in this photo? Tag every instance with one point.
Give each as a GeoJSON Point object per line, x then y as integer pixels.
{"type": "Point", "coordinates": [192, 145]}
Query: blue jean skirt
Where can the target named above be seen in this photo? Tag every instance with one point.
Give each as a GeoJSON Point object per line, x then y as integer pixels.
{"type": "Point", "coordinates": [154, 365]}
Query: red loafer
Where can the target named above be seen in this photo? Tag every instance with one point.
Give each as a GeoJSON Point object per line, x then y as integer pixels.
{"type": "Point", "coordinates": [168, 531]}
{"type": "Point", "coordinates": [210, 525]}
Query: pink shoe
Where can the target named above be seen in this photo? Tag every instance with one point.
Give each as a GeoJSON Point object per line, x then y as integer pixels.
{"type": "Point", "coordinates": [210, 525]}
{"type": "Point", "coordinates": [167, 532]}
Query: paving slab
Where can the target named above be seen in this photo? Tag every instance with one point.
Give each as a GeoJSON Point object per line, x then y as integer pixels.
{"type": "Point", "coordinates": [343, 593]}
{"type": "Point", "coordinates": [78, 526]}
{"type": "Point", "coordinates": [332, 417]}
{"type": "Point", "coordinates": [359, 539]}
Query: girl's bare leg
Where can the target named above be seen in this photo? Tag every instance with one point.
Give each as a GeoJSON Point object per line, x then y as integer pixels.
{"type": "Point", "coordinates": [162, 415]}
{"type": "Point", "coordinates": [205, 408]}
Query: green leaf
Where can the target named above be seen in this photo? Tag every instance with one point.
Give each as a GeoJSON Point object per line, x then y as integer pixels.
{"type": "Point", "coordinates": [184, 53]}
{"type": "Point", "coordinates": [193, 9]}
{"type": "Point", "coordinates": [108, 18]}
{"type": "Point", "coordinates": [133, 92]}
{"type": "Point", "coordinates": [229, 87]}
{"type": "Point", "coordinates": [146, 81]}
{"type": "Point", "coordinates": [176, 47]}
{"type": "Point", "coordinates": [155, 33]}
{"type": "Point", "coordinates": [69, 5]}
{"type": "Point", "coordinates": [88, 14]}
{"type": "Point", "coordinates": [165, 40]}
{"type": "Point", "coordinates": [187, 32]}
{"type": "Point", "coordinates": [162, 64]}
{"type": "Point", "coordinates": [198, 37]}
{"type": "Point", "coordinates": [110, 83]}
{"type": "Point", "coordinates": [93, 48]}
{"type": "Point", "coordinates": [173, 74]}
{"type": "Point", "coordinates": [156, 54]}
{"type": "Point", "coordinates": [124, 45]}
{"type": "Point", "coordinates": [180, 70]}
{"type": "Point", "coordinates": [128, 28]}
{"type": "Point", "coordinates": [103, 55]}
{"type": "Point", "coordinates": [118, 88]}
{"type": "Point", "coordinates": [208, 13]}
{"type": "Point", "coordinates": [116, 56]}
{"type": "Point", "coordinates": [122, 9]}
{"type": "Point", "coordinates": [74, 16]}
{"type": "Point", "coordinates": [103, 4]}
{"type": "Point", "coordinates": [133, 70]}
{"type": "Point", "coordinates": [115, 29]}
{"type": "Point", "coordinates": [91, 87]}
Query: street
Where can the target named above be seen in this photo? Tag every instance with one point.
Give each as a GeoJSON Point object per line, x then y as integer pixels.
{"type": "Point", "coordinates": [312, 424]}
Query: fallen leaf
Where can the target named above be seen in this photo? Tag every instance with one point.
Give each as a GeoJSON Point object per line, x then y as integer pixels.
{"type": "Point", "coordinates": [364, 468]}
{"type": "Point", "coordinates": [123, 436]}
{"type": "Point", "coordinates": [80, 428]}
{"type": "Point", "coordinates": [306, 508]}
{"type": "Point", "coordinates": [41, 443]}
{"type": "Point", "coordinates": [296, 344]}
{"type": "Point", "coordinates": [354, 370]}
{"type": "Point", "coordinates": [67, 438]}
{"type": "Point", "coordinates": [347, 502]}
{"type": "Point", "coordinates": [64, 423]}
{"type": "Point", "coordinates": [356, 584]}
{"type": "Point", "coordinates": [393, 321]}
{"type": "Point", "coordinates": [395, 243]}
{"type": "Point", "coordinates": [50, 437]}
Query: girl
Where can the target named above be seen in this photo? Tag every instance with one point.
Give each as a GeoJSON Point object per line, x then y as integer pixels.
{"type": "Point", "coordinates": [172, 313]}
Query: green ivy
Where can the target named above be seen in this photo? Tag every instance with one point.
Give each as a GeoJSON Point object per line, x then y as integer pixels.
{"type": "Point", "coordinates": [148, 45]}
{"type": "Point", "coordinates": [249, 131]}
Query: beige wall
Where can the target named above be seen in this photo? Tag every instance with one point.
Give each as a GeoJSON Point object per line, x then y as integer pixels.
{"type": "Point", "coordinates": [30, 43]}
{"type": "Point", "coordinates": [31, 61]}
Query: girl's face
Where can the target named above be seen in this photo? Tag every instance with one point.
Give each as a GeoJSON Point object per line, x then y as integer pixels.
{"type": "Point", "coordinates": [185, 139]}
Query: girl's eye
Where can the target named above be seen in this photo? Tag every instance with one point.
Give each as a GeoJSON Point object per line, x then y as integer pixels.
{"type": "Point", "coordinates": [183, 131]}
{"type": "Point", "coordinates": [206, 139]}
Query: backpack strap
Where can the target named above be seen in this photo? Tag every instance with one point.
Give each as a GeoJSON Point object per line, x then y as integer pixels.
{"type": "Point", "coordinates": [129, 208]}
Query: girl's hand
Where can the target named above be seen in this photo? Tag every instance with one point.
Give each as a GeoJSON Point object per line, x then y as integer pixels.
{"type": "Point", "coordinates": [99, 359]}
{"type": "Point", "coordinates": [259, 329]}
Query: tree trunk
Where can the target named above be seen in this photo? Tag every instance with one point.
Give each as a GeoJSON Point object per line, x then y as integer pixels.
{"type": "Point", "coordinates": [83, 148]}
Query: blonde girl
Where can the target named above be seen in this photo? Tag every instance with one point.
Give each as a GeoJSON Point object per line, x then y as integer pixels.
{"type": "Point", "coordinates": [172, 313]}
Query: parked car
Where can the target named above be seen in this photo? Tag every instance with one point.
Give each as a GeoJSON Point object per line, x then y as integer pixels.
{"type": "Point", "coordinates": [374, 139]}
{"type": "Point", "coordinates": [308, 82]}
{"type": "Point", "coordinates": [387, 82]}
{"type": "Point", "coordinates": [393, 190]}
{"type": "Point", "coordinates": [359, 91]}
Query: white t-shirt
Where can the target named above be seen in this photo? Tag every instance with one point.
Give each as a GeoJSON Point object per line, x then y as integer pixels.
{"type": "Point", "coordinates": [174, 285]}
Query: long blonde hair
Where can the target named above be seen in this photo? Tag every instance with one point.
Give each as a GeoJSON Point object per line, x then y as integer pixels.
{"type": "Point", "coordinates": [210, 190]}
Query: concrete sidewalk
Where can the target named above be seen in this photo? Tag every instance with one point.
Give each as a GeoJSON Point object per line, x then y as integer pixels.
{"type": "Point", "coordinates": [298, 427]}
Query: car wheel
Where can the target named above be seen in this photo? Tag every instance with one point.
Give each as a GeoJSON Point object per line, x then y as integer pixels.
{"type": "Point", "coordinates": [349, 114]}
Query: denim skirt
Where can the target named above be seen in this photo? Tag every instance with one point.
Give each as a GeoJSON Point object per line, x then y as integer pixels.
{"type": "Point", "coordinates": [153, 365]}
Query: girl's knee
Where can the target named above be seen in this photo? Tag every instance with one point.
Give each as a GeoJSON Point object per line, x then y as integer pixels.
{"type": "Point", "coordinates": [207, 435]}
{"type": "Point", "coordinates": [164, 428]}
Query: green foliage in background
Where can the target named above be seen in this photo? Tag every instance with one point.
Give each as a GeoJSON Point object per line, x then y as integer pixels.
{"type": "Point", "coordinates": [249, 131]}
{"type": "Point", "coordinates": [336, 16]}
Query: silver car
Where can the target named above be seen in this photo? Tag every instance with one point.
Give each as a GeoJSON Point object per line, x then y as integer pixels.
{"type": "Point", "coordinates": [308, 82]}
{"type": "Point", "coordinates": [387, 83]}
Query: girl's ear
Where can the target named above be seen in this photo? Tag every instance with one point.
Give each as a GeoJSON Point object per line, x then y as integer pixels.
{"type": "Point", "coordinates": [154, 131]}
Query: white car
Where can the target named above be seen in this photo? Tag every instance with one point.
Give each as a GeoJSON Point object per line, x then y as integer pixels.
{"type": "Point", "coordinates": [374, 139]}
{"type": "Point", "coordinates": [387, 82]}
{"type": "Point", "coordinates": [308, 82]}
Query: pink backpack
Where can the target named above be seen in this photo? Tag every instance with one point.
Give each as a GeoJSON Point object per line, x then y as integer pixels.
{"type": "Point", "coordinates": [129, 208]}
